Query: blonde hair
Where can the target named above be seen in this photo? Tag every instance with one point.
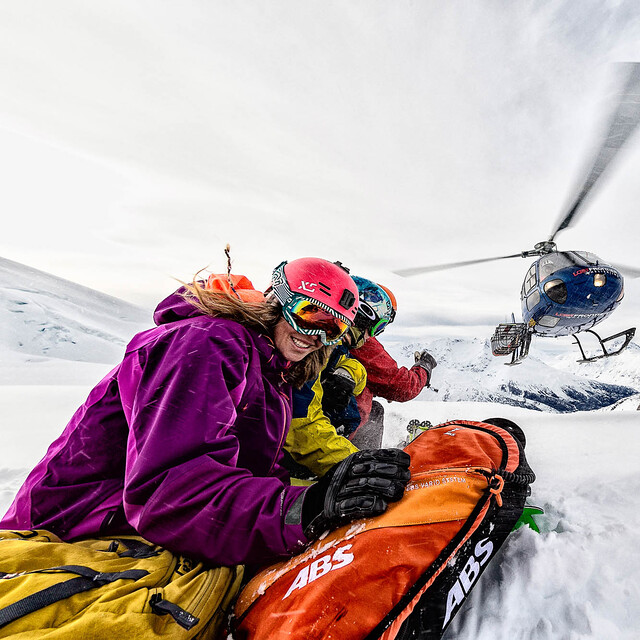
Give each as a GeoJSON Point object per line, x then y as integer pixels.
{"type": "Point", "coordinates": [259, 316]}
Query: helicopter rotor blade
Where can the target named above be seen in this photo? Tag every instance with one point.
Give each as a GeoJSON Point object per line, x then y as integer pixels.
{"type": "Point", "coordinates": [414, 271]}
{"type": "Point", "coordinates": [624, 121]}
{"type": "Point", "coordinates": [628, 272]}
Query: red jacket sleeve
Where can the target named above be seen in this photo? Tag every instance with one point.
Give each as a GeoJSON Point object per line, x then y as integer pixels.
{"type": "Point", "coordinates": [385, 378]}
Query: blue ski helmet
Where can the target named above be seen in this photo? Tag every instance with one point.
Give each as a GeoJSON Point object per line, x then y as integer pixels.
{"type": "Point", "coordinates": [376, 309]}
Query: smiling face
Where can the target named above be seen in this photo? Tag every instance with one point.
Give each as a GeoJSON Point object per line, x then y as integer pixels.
{"type": "Point", "coordinates": [292, 345]}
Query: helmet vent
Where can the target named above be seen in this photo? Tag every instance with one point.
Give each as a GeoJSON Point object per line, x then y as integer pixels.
{"type": "Point", "coordinates": [324, 288]}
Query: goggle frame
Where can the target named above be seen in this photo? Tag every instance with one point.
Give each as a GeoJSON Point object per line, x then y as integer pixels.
{"type": "Point", "coordinates": [292, 318]}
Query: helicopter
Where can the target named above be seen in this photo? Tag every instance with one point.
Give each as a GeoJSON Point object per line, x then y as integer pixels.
{"type": "Point", "coordinates": [568, 292]}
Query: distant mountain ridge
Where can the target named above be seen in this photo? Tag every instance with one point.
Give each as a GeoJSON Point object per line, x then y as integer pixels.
{"type": "Point", "coordinates": [468, 372]}
{"type": "Point", "coordinates": [43, 315]}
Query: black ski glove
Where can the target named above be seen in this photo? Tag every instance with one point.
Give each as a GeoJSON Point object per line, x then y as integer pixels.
{"type": "Point", "coordinates": [425, 360]}
{"type": "Point", "coordinates": [337, 389]}
{"type": "Point", "coordinates": [361, 486]}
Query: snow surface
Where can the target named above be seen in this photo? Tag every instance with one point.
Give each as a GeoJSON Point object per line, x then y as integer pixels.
{"type": "Point", "coordinates": [577, 579]}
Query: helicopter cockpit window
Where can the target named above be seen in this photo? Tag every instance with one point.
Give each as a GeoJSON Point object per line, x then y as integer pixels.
{"type": "Point", "coordinates": [556, 290]}
{"type": "Point", "coordinates": [553, 262]}
{"type": "Point", "coordinates": [590, 258]}
{"type": "Point", "coordinates": [533, 299]}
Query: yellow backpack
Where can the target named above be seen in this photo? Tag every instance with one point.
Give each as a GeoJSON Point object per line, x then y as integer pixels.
{"type": "Point", "coordinates": [105, 588]}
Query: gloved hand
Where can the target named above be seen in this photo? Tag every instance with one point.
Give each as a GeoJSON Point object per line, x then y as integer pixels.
{"type": "Point", "coordinates": [425, 360]}
{"type": "Point", "coordinates": [361, 486]}
{"type": "Point", "coordinates": [337, 389]}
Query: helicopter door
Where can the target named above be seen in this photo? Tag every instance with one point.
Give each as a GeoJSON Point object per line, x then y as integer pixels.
{"type": "Point", "coordinates": [533, 299]}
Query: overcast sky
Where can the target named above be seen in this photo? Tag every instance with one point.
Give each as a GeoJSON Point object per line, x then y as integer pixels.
{"type": "Point", "coordinates": [138, 137]}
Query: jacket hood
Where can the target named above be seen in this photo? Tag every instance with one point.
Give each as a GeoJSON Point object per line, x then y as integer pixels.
{"type": "Point", "coordinates": [175, 307]}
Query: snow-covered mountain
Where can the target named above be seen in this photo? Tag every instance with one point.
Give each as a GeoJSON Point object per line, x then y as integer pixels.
{"type": "Point", "coordinates": [42, 315]}
{"type": "Point", "coordinates": [46, 319]}
{"type": "Point", "coordinates": [468, 372]}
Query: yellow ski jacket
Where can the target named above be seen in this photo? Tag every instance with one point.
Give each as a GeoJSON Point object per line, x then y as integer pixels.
{"type": "Point", "coordinates": [312, 440]}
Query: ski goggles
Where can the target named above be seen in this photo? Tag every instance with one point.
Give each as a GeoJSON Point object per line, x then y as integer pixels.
{"type": "Point", "coordinates": [378, 328]}
{"type": "Point", "coordinates": [368, 321]}
{"type": "Point", "coordinates": [312, 318]}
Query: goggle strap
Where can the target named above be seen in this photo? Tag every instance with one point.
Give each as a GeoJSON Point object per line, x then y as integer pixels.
{"type": "Point", "coordinates": [280, 286]}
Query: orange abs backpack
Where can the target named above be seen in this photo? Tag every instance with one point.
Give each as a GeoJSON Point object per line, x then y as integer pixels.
{"type": "Point", "coordinates": [403, 574]}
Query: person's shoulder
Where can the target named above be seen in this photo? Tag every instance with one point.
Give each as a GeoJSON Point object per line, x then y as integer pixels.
{"type": "Point", "coordinates": [218, 329]}
{"type": "Point", "coordinates": [201, 329]}
{"type": "Point", "coordinates": [216, 325]}
{"type": "Point", "coordinates": [371, 347]}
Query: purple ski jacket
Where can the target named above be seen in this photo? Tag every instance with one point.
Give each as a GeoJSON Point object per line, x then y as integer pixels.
{"type": "Point", "coordinates": [181, 443]}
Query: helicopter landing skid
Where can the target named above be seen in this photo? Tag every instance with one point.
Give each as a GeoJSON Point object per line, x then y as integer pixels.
{"type": "Point", "coordinates": [511, 338]}
{"type": "Point", "coordinates": [628, 336]}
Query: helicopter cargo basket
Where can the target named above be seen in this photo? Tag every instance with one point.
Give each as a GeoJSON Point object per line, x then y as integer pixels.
{"type": "Point", "coordinates": [511, 338]}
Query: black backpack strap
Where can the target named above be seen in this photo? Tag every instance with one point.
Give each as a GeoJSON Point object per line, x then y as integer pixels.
{"type": "Point", "coordinates": [135, 548]}
{"type": "Point", "coordinates": [162, 607]}
{"type": "Point", "coordinates": [88, 579]}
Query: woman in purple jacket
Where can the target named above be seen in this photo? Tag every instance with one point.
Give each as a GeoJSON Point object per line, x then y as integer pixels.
{"type": "Point", "coordinates": [182, 442]}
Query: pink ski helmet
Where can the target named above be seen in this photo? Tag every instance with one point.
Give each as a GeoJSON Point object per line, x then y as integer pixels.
{"type": "Point", "coordinates": [328, 285]}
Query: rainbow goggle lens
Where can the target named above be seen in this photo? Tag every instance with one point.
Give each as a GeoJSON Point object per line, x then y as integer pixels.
{"type": "Point", "coordinates": [313, 319]}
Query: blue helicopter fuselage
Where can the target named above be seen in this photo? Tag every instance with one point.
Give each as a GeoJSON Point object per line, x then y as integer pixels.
{"type": "Point", "coordinates": [566, 292]}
